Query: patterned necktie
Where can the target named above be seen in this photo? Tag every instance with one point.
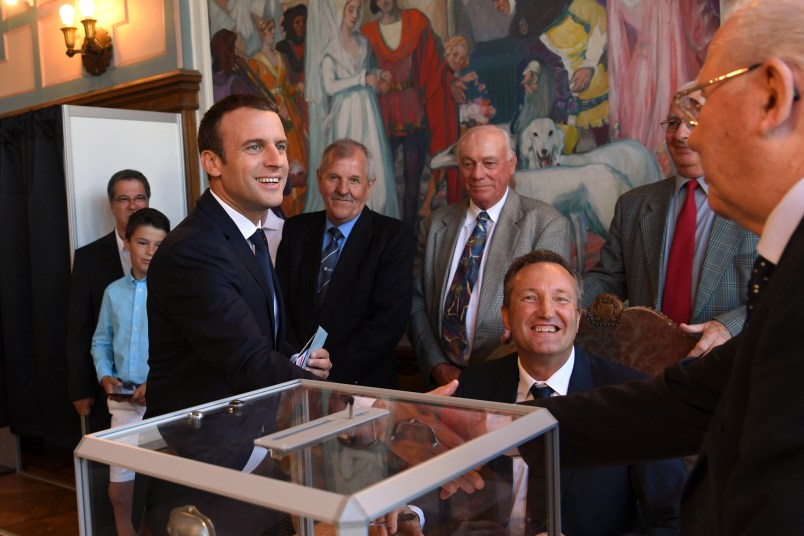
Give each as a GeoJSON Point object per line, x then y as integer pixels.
{"type": "Point", "coordinates": [329, 258]}
{"type": "Point", "coordinates": [760, 276]}
{"type": "Point", "coordinates": [677, 300]}
{"type": "Point", "coordinates": [260, 244]}
{"type": "Point", "coordinates": [541, 390]}
{"type": "Point", "coordinates": [453, 325]}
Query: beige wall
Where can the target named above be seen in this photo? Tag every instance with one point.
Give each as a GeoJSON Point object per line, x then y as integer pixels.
{"type": "Point", "coordinates": [35, 68]}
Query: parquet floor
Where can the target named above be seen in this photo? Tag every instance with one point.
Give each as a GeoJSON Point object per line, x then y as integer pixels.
{"type": "Point", "coordinates": [42, 500]}
{"type": "Point", "coordinates": [33, 507]}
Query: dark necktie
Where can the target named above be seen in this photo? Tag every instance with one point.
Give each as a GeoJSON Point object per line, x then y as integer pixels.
{"type": "Point", "coordinates": [541, 390]}
{"type": "Point", "coordinates": [536, 502]}
{"type": "Point", "coordinates": [329, 258]}
{"type": "Point", "coordinates": [453, 325]}
{"type": "Point", "coordinates": [760, 276]}
{"type": "Point", "coordinates": [677, 300]}
{"type": "Point", "coordinates": [260, 244]}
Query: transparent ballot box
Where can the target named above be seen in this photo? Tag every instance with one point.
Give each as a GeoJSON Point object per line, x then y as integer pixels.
{"type": "Point", "coordinates": [309, 457]}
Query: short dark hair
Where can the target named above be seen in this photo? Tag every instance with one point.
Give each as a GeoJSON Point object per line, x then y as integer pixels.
{"type": "Point", "coordinates": [147, 216]}
{"type": "Point", "coordinates": [127, 175]}
{"type": "Point", "coordinates": [290, 15]}
{"type": "Point", "coordinates": [375, 8]}
{"type": "Point", "coordinates": [535, 257]}
{"type": "Point", "coordinates": [344, 148]}
{"type": "Point", "coordinates": [209, 138]}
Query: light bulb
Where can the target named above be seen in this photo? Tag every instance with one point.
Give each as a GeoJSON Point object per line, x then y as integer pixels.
{"type": "Point", "coordinates": [87, 8]}
{"type": "Point", "coordinates": [67, 14]}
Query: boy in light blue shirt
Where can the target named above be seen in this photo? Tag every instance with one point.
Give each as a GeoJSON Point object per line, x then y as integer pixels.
{"type": "Point", "coordinates": [120, 347]}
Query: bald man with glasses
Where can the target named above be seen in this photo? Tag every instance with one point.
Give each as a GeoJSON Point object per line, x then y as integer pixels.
{"type": "Point", "coordinates": [668, 250]}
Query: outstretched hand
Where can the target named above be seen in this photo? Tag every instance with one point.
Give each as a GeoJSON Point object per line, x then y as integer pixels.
{"type": "Point", "coordinates": [713, 334]}
{"type": "Point", "coordinates": [422, 432]}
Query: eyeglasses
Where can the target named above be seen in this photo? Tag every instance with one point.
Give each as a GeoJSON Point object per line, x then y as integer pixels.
{"type": "Point", "coordinates": [672, 125]}
{"type": "Point", "coordinates": [690, 100]}
{"type": "Point", "coordinates": [124, 199]}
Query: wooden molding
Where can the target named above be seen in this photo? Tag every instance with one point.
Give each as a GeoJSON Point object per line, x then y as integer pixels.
{"type": "Point", "coordinates": [175, 91]}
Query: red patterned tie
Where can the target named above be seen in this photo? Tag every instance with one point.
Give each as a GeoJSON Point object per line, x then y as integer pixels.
{"type": "Point", "coordinates": [677, 300]}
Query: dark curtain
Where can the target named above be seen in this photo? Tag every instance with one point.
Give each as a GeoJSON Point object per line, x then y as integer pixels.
{"type": "Point", "coordinates": [34, 276]}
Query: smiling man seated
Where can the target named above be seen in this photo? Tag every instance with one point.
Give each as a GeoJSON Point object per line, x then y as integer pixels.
{"type": "Point", "coordinates": [541, 308]}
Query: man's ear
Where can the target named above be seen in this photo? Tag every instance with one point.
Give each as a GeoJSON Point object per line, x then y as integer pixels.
{"type": "Point", "coordinates": [779, 90]}
{"type": "Point", "coordinates": [211, 163]}
{"type": "Point", "coordinates": [504, 313]}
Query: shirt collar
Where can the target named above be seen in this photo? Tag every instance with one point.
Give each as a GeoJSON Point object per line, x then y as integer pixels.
{"type": "Point", "coordinates": [134, 280]}
{"type": "Point", "coordinates": [344, 228]}
{"type": "Point", "coordinates": [782, 223]}
{"type": "Point", "coordinates": [120, 243]}
{"type": "Point", "coordinates": [272, 222]}
{"type": "Point", "coordinates": [494, 211]}
{"type": "Point", "coordinates": [681, 181]}
{"type": "Point", "coordinates": [558, 382]}
{"type": "Point", "coordinates": [244, 225]}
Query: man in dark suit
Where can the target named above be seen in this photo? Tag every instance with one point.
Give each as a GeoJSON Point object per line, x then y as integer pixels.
{"type": "Point", "coordinates": [514, 225]}
{"type": "Point", "coordinates": [215, 312]}
{"type": "Point", "coordinates": [741, 407]}
{"type": "Point", "coordinates": [542, 310]}
{"type": "Point", "coordinates": [645, 234]}
{"type": "Point", "coordinates": [362, 298]}
{"type": "Point", "coordinates": [95, 266]}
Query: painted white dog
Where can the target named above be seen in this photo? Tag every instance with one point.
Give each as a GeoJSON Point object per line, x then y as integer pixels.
{"type": "Point", "coordinates": [541, 145]}
{"type": "Point", "coordinates": [591, 189]}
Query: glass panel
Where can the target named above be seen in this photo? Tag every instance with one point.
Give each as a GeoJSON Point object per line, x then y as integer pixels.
{"type": "Point", "coordinates": [412, 432]}
{"type": "Point", "coordinates": [348, 475]}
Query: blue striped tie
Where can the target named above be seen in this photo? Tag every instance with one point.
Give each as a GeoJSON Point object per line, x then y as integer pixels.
{"type": "Point", "coordinates": [329, 258]}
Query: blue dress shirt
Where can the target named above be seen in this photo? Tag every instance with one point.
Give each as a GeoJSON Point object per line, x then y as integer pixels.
{"type": "Point", "coordinates": [120, 343]}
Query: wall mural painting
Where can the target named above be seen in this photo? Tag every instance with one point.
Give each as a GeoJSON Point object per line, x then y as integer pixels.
{"type": "Point", "coordinates": [581, 85]}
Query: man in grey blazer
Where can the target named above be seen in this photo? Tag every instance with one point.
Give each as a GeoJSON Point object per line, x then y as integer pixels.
{"type": "Point", "coordinates": [633, 261]}
{"type": "Point", "coordinates": [514, 226]}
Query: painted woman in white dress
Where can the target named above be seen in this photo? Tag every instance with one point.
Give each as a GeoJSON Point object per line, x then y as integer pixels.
{"type": "Point", "coordinates": [343, 101]}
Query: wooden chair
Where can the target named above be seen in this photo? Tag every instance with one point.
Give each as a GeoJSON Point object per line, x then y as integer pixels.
{"type": "Point", "coordinates": [637, 337]}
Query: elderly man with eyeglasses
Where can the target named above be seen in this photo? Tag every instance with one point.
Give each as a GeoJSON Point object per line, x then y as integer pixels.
{"type": "Point", "coordinates": [742, 406]}
{"type": "Point", "coordinates": [668, 250]}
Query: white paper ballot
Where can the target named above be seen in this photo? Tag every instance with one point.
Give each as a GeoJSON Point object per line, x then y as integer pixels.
{"type": "Point", "coordinates": [316, 341]}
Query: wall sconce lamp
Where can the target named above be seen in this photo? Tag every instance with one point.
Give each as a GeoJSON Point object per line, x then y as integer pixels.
{"type": "Point", "coordinates": [96, 52]}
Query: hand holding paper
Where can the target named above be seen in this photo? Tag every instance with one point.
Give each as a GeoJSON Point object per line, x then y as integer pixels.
{"type": "Point", "coordinates": [313, 356]}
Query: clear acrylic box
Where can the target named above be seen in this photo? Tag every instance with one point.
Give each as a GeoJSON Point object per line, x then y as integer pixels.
{"type": "Point", "coordinates": [312, 457]}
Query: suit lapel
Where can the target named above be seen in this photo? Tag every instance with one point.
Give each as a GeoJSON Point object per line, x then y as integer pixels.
{"type": "Point", "coordinates": [349, 259]}
{"type": "Point", "coordinates": [653, 226]}
{"type": "Point", "coordinates": [115, 265]}
{"type": "Point", "coordinates": [501, 387]}
{"type": "Point", "coordinates": [241, 249]}
{"type": "Point", "coordinates": [313, 237]}
{"type": "Point", "coordinates": [498, 257]}
{"type": "Point", "coordinates": [723, 237]}
{"type": "Point", "coordinates": [444, 243]}
{"type": "Point", "coordinates": [580, 381]}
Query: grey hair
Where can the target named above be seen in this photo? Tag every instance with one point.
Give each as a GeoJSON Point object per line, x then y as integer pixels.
{"type": "Point", "coordinates": [504, 134]}
{"type": "Point", "coordinates": [344, 148]}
